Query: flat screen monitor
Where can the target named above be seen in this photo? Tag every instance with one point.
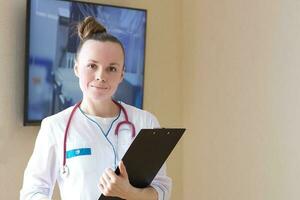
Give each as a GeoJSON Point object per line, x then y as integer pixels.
{"type": "Point", "coordinates": [51, 44]}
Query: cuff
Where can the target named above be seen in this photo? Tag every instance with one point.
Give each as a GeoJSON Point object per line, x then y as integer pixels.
{"type": "Point", "coordinates": [160, 191]}
{"type": "Point", "coordinates": [39, 196]}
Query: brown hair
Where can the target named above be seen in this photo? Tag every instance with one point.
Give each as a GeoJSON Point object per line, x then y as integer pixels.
{"type": "Point", "coordinates": [90, 29]}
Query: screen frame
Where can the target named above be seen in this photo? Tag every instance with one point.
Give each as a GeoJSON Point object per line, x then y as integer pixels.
{"type": "Point", "coordinates": [29, 122]}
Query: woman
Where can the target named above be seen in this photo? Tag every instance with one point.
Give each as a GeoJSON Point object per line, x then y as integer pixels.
{"type": "Point", "coordinates": [93, 150]}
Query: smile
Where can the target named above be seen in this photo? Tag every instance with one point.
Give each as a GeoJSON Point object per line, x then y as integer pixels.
{"type": "Point", "coordinates": [100, 87]}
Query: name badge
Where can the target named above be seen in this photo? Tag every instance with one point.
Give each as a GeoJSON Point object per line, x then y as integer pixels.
{"type": "Point", "coordinates": [78, 152]}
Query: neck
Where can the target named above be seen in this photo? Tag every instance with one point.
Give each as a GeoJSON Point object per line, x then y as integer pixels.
{"type": "Point", "coordinates": [103, 108]}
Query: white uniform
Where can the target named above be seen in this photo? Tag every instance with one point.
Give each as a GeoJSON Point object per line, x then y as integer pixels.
{"type": "Point", "coordinates": [89, 153]}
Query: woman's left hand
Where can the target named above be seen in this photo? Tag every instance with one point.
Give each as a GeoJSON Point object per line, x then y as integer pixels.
{"type": "Point", "coordinates": [115, 185]}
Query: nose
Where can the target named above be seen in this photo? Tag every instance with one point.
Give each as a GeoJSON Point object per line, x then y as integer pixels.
{"type": "Point", "coordinates": [100, 75]}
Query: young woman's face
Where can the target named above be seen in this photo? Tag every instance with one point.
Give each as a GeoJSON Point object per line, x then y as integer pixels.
{"type": "Point", "coordinates": [99, 68]}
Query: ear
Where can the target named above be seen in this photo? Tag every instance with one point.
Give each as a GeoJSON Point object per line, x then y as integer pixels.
{"type": "Point", "coordinates": [76, 69]}
{"type": "Point", "coordinates": [123, 74]}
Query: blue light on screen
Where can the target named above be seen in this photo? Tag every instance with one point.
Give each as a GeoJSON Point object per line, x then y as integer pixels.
{"type": "Point", "coordinates": [52, 85]}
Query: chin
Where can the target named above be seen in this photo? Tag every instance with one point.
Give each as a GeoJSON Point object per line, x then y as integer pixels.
{"type": "Point", "coordinates": [100, 97]}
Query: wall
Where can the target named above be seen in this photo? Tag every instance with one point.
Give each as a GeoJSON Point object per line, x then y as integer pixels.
{"type": "Point", "coordinates": [161, 85]}
{"type": "Point", "coordinates": [241, 99]}
{"type": "Point", "coordinates": [238, 62]}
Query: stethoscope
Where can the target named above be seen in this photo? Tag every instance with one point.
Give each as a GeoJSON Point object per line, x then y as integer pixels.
{"type": "Point", "coordinates": [65, 168]}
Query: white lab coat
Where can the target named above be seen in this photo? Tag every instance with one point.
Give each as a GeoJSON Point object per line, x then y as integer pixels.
{"type": "Point", "coordinates": [44, 167]}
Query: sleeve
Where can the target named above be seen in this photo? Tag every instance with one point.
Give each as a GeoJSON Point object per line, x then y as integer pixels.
{"type": "Point", "coordinates": [161, 182]}
{"type": "Point", "coordinates": [41, 171]}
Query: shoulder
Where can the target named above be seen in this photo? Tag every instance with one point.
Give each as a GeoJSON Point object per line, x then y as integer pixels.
{"type": "Point", "coordinates": [139, 116]}
{"type": "Point", "coordinates": [58, 119]}
{"type": "Point", "coordinates": [52, 127]}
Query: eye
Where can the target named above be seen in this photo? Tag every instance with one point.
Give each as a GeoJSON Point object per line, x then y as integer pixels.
{"type": "Point", "coordinates": [92, 66]}
{"type": "Point", "coordinates": [112, 69]}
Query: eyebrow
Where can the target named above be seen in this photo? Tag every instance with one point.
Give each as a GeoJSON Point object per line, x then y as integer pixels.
{"type": "Point", "coordinates": [114, 63]}
{"type": "Point", "coordinates": [95, 61]}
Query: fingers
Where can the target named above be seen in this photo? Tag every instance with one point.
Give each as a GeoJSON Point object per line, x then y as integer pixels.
{"type": "Point", "coordinates": [103, 183]}
{"type": "Point", "coordinates": [104, 179]}
{"type": "Point", "coordinates": [123, 170]}
{"type": "Point", "coordinates": [111, 175]}
{"type": "Point", "coordinates": [107, 182]}
{"type": "Point", "coordinates": [111, 184]}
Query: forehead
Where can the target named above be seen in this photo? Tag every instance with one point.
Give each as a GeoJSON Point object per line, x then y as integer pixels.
{"type": "Point", "coordinates": [105, 52]}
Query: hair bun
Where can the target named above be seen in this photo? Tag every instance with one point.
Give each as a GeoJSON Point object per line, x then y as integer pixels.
{"type": "Point", "coordinates": [88, 27]}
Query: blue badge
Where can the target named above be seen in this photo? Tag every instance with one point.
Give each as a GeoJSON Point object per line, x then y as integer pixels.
{"type": "Point", "coordinates": [78, 152]}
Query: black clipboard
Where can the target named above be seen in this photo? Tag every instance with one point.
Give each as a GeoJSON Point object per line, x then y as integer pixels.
{"type": "Point", "coordinates": [146, 155]}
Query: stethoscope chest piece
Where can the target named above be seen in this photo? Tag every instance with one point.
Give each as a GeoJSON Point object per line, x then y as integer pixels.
{"type": "Point", "coordinates": [64, 171]}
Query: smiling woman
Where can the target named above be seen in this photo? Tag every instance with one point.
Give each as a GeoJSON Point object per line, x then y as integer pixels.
{"type": "Point", "coordinates": [86, 169]}
{"type": "Point", "coordinates": [99, 74]}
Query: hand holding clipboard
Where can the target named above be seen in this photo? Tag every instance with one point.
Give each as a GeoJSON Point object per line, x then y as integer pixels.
{"type": "Point", "coordinates": [146, 155]}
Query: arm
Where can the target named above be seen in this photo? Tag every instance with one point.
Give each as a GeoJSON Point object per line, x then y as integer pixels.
{"type": "Point", "coordinates": [114, 185]}
{"type": "Point", "coordinates": [148, 193]}
{"type": "Point", "coordinates": [162, 184]}
{"type": "Point", "coordinates": [119, 186]}
{"type": "Point", "coordinates": [40, 173]}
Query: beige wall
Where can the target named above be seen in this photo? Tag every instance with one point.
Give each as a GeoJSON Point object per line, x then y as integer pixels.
{"type": "Point", "coordinates": [161, 85]}
{"type": "Point", "coordinates": [227, 70]}
{"type": "Point", "coordinates": [241, 72]}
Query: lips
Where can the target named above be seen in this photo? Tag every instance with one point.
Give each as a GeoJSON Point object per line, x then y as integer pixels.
{"type": "Point", "coordinates": [99, 87]}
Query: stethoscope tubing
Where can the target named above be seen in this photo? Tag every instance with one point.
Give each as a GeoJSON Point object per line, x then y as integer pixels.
{"type": "Point", "coordinates": [67, 130]}
{"type": "Point", "coordinates": [126, 121]}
